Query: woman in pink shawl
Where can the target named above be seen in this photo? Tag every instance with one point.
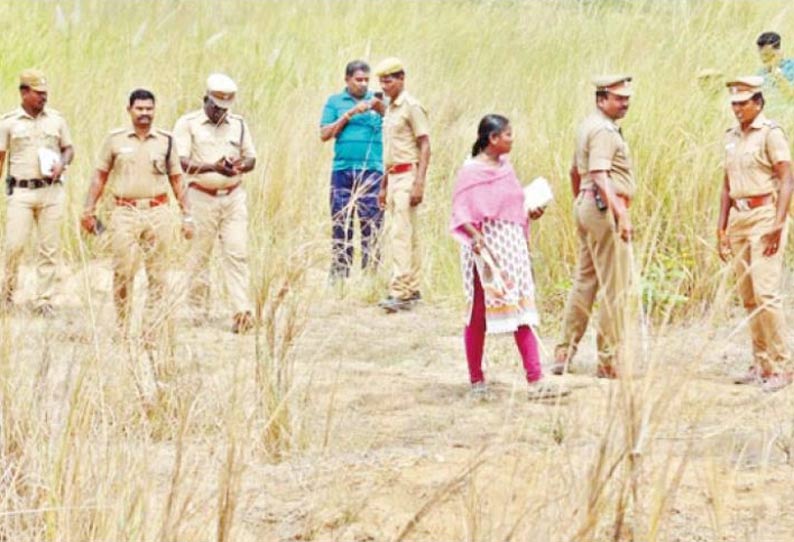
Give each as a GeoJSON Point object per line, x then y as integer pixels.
{"type": "Point", "coordinates": [489, 221]}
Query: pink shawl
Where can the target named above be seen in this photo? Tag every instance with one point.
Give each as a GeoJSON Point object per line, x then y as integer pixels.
{"type": "Point", "coordinates": [485, 191]}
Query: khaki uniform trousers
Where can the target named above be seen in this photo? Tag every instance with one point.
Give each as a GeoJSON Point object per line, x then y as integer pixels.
{"type": "Point", "coordinates": [604, 262]}
{"type": "Point", "coordinates": [142, 235]}
{"type": "Point", "coordinates": [403, 236]}
{"type": "Point", "coordinates": [224, 218]}
{"type": "Point", "coordinates": [29, 209]}
{"type": "Point", "coordinates": [759, 284]}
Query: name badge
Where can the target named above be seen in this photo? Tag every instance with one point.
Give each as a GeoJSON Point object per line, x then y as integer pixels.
{"type": "Point", "coordinates": [125, 150]}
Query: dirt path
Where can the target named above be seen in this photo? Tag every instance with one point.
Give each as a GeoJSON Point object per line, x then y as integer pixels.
{"type": "Point", "coordinates": [388, 444]}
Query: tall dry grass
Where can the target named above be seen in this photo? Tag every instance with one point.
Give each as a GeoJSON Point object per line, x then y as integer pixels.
{"type": "Point", "coordinates": [102, 440]}
{"type": "Point", "coordinates": [530, 60]}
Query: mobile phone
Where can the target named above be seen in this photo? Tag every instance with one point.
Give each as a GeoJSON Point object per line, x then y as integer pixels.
{"type": "Point", "coordinates": [599, 201]}
{"type": "Point", "coordinates": [378, 95]}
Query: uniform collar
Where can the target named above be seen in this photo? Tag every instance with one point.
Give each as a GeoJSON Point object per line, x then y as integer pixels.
{"type": "Point", "coordinates": [759, 121]}
{"type": "Point", "coordinates": [206, 120]}
{"type": "Point", "coordinates": [606, 117]}
{"type": "Point", "coordinates": [757, 124]}
{"type": "Point", "coordinates": [400, 99]}
{"type": "Point", "coordinates": [131, 133]}
{"type": "Point", "coordinates": [20, 112]}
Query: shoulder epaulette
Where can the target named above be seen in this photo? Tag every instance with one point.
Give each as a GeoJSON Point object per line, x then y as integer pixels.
{"type": "Point", "coordinates": [608, 126]}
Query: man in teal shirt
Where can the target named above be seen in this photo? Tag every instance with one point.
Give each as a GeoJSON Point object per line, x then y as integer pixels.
{"type": "Point", "coordinates": [354, 118]}
{"type": "Point", "coordinates": [778, 72]}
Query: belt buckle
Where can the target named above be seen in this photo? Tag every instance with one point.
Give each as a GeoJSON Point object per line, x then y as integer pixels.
{"type": "Point", "coordinates": [743, 204]}
{"type": "Point", "coordinates": [222, 192]}
{"type": "Point", "coordinates": [144, 203]}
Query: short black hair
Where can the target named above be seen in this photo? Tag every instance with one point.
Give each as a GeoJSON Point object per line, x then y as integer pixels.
{"type": "Point", "coordinates": [769, 38]}
{"type": "Point", "coordinates": [601, 94]}
{"type": "Point", "coordinates": [355, 66]}
{"type": "Point", "coordinates": [758, 98]}
{"type": "Point", "coordinates": [140, 94]}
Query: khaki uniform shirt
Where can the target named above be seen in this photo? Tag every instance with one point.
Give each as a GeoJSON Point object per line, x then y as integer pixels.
{"type": "Point", "coordinates": [750, 157]}
{"type": "Point", "coordinates": [405, 122]}
{"type": "Point", "coordinates": [138, 167]}
{"type": "Point", "coordinates": [198, 138]}
{"type": "Point", "coordinates": [600, 147]}
{"type": "Point", "coordinates": [22, 136]}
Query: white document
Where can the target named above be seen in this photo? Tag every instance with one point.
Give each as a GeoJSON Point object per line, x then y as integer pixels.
{"type": "Point", "coordinates": [537, 194]}
{"type": "Point", "coordinates": [47, 160]}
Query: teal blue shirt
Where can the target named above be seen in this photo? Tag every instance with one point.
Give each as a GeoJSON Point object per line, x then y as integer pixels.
{"type": "Point", "coordinates": [778, 106]}
{"type": "Point", "coordinates": [360, 143]}
{"type": "Point", "coordinates": [786, 68]}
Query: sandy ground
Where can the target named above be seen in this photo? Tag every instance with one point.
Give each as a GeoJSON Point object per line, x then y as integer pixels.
{"type": "Point", "coordinates": [388, 445]}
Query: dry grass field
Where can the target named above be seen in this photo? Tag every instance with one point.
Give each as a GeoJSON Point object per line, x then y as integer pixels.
{"type": "Point", "coordinates": [333, 421]}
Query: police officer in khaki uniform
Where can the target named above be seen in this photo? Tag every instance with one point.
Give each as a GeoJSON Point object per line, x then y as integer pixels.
{"type": "Point", "coordinates": [39, 148]}
{"type": "Point", "coordinates": [755, 199]}
{"type": "Point", "coordinates": [216, 148]}
{"type": "Point", "coordinates": [603, 184]}
{"type": "Point", "coordinates": [406, 155]}
{"type": "Point", "coordinates": [141, 162]}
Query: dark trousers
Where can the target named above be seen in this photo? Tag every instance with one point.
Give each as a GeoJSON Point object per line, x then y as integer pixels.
{"type": "Point", "coordinates": [354, 192]}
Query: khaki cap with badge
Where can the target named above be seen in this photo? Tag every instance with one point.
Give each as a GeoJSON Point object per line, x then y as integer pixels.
{"type": "Point", "coordinates": [221, 89]}
{"type": "Point", "coordinates": [33, 79]}
{"type": "Point", "coordinates": [389, 66]}
{"type": "Point", "coordinates": [744, 88]}
{"type": "Point", "coordinates": [619, 85]}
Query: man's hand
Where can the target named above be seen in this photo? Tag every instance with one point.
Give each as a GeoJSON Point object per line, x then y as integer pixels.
{"type": "Point", "coordinates": [237, 166]}
{"type": "Point", "coordinates": [724, 246]}
{"type": "Point", "coordinates": [378, 106]}
{"type": "Point", "coordinates": [624, 227]}
{"type": "Point", "coordinates": [360, 107]}
{"type": "Point", "coordinates": [382, 198]}
{"type": "Point", "coordinates": [88, 222]}
{"type": "Point", "coordinates": [772, 241]}
{"type": "Point", "coordinates": [225, 167]}
{"type": "Point", "coordinates": [535, 214]}
{"type": "Point", "coordinates": [57, 171]}
{"type": "Point", "coordinates": [417, 193]}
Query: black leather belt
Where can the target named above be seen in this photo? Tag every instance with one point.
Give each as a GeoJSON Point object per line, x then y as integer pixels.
{"type": "Point", "coordinates": [33, 183]}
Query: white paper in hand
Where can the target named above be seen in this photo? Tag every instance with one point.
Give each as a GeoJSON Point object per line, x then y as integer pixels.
{"type": "Point", "coordinates": [47, 160]}
{"type": "Point", "coordinates": [537, 194]}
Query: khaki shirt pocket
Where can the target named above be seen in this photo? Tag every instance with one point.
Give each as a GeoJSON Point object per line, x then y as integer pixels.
{"type": "Point", "coordinates": [158, 165]}
{"type": "Point", "coordinates": [234, 150]}
{"type": "Point", "coordinates": [124, 161]}
{"type": "Point", "coordinates": [51, 138]}
{"type": "Point", "coordinates": [21, 140]}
